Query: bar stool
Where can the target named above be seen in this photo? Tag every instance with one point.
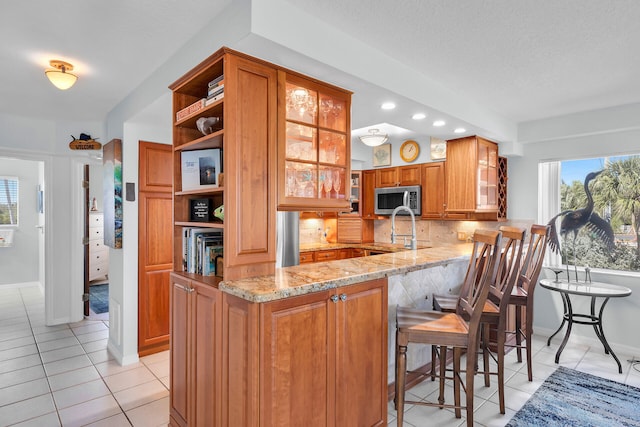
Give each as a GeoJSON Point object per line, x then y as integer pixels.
{"type": "Point", "coordinates": [522, 293]}
{"type": "Point", "coordinates": [450, 329]}
{"type": "Point", "coordinates": [494, 313]}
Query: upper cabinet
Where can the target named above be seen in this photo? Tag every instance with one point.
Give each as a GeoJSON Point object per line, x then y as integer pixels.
{"type": "Point", "coordinates": [433, 190]}
{"type": "Point", "coordinates": [314, 145]}
{"type": "Point", "coordinates": [471, 176]}
{"type": "Point", "coordinates": [396, 176]}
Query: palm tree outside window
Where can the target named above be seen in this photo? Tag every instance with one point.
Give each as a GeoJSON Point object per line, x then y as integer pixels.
{"type": "Point", "coordinates": [616, 199]}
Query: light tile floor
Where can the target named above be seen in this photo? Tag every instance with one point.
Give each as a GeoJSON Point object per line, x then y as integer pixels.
{"type": "Point", "coordinates": [64, 376]}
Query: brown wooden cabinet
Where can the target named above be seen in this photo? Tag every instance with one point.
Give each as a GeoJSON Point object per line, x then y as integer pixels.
{"type": "Point", "coordinates": [433, 190]}
{"type": "Point", "coordinates": [354, 230]}
{"type": "Point", "coordinates": [367, 193]}
{"type": "Point", "coordinates": [306, 257]}
{"type": "Point", "coordinates": [196, 379]}
{"type": "Point", "coordinates": [314, 149]}
{"type": "Point", "coordinates": [326, 255]}
{"type": "Point", "coordinates": [247, 135]}
{"type": "Point", "coordinates": [325, 356]}
{"type": "Point", "coordinates": [471, 176]}
{"type": "Point", "coordinates": [400, 175]}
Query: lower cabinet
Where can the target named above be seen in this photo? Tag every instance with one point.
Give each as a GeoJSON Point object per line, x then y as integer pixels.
{"type": "Point", "coordinates": [196, 325]}
{"type": "Point", "coordinates": [313, 360]}
{"type": "Point", "coordinates": [325, 358]}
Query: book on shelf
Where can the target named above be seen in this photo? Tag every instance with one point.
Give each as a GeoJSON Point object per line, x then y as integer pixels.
{"type": "Point", "coordinates": [217, 81]}
{"type": "Point", "coordinates": [191, 109]}
{"type": "Point", "coordinates": [215, 90]}
{"type": "Point", "coordinates": [213, 99]}
{"type": "Point", "coordinates": [200, 168]}
{"type": "Point", "coordinates": [194, 243]}
{"type": "Point", "coordinates": [211, 252]}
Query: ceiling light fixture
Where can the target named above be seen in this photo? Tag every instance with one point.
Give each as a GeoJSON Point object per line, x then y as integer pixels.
{"type": "Point", "coordinates": [419, 116]}
{"type": "Point", "coordinates": [439, 123]}
{"type": "Point", "coordinates": [59, 76]}
{"type": "Point", "coordinates": [459, 130]}
{"type": "Point", "coordinates": [388, 106]}
{"type": "Point", "coordinates": [374, 138]}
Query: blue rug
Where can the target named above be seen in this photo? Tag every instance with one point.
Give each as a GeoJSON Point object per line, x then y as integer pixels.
{"type": "Point", "coordinates": [99, 298]}
{"type": "Point", "coordinates": [573, 398]}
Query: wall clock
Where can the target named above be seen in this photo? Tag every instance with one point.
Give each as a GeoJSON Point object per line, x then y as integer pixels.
{"type": "Point", "coordinates": [409, 150]}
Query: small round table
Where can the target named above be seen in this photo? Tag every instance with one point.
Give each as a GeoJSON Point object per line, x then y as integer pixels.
{"type": "Point", "coordinates": [594, 290]}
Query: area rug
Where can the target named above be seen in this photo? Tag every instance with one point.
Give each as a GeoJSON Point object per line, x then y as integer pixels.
{"type": "Point", "coordinates": [99, 298]}
{"type": "Point", "coordinates": [573, 398]}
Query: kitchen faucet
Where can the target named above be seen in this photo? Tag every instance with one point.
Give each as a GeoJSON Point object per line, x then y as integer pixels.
{"type": "Point", "coordinates": [414, 244]}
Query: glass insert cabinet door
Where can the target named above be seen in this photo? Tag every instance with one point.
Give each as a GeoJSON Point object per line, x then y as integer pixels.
{"type": "Point", "coordinates": [316, 146]}
{"type": "Point", "coordinates": [487, 191]}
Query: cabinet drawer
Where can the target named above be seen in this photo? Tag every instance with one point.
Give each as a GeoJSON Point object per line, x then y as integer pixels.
{"type": "Point", "coordinates": [96, 233]}
{"type": "Point", "coordinates": [96, 220]}
{"type": "Point", "coordinates": [98, 271]}
{"type": "Point", "coordinates": [357, 252]}
{"type": "Point", "coordinates": [326, 255]}
{"type": "Point", "coordinates": [98, 256]}
{"type": "Point", "coordinates": [97, 246]}
{"type": "Point", "coordinates": [306, 257]}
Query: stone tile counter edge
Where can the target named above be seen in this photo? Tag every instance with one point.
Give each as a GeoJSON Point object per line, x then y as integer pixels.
{"type": "Point", "coordinates": [307, 278]}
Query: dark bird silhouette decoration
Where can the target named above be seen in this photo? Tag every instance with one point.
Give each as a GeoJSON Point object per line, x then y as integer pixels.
{"type": "Point", "coordinates": [575, 220]}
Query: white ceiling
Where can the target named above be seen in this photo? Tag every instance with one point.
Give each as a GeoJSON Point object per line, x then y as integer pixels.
{"type": "Point", "coordinates": [523, 60]}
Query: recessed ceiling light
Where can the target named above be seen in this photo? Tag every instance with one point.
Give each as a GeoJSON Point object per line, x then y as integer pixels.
{"type": "Point", "coordinates": [459, 130]}
{"type": "Point", "coordinates": [418, 116]}
{"type": "Point", "coordinates": [388, 106]}
{"type": "Point", "coordinates": [439, 123]}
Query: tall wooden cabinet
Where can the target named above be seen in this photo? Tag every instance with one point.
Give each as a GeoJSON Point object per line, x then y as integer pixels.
{"type": "Point", "coordinates": [247, 137]}
{"type": "Point", "coordinates": [367, 192]}
{"type": "Point", "coordinates": [471, 175]}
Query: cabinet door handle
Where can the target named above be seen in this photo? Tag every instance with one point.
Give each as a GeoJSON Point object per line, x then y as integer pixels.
{"type": "Point", "coordinates": [334, 298]}
{"type": "Point", "coordinates": [343, 297]}
{"type": "Point", "coordinates": [187, 289]}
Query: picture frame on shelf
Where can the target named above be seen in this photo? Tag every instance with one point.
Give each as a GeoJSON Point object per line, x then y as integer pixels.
{"type": "Point", "coordinates": [438, 149]}
{"type": "Point", "coordinates": [382, 155]}
{"type": "Point", "coordinates": [201, 169]}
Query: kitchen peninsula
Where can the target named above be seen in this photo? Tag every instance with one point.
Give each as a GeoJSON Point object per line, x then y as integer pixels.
{"type": "Point", "coordinates": [254, 345]}
{"type": "Point", "coordinates": [308, 345]}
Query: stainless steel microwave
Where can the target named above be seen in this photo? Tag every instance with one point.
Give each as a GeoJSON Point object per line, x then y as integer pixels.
{"type": "Point", "coordinates": [389, 198]}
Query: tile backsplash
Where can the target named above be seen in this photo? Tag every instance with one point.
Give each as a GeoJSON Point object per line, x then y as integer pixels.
{"type": "Point", "coordinates": [428, 232]}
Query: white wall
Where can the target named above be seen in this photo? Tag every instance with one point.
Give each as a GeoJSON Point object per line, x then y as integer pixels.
{"type": "Point", "coordinates": [47, 141]}
{"type": "Point", "coordinates": [591, 134]}
{"type": "Point", "coordinates": [19, 263]}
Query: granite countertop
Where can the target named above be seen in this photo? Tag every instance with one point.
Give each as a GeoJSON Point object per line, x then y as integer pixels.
{"type": "Point", "coordinates": [306, 278]}
{"type": "Point", "coordinates": [387, 247]}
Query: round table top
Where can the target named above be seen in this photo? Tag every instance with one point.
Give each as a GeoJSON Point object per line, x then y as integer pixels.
{"type": "Point", "coordinates": [591, 289]}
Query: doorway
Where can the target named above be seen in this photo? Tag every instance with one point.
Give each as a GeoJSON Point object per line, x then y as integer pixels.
{"type": "Point", "coordinates": [96, 254]}
{"type": "Point", "coordinates": [23, 254]}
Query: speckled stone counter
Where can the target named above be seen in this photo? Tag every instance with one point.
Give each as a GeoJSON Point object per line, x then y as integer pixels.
{"type": "Point", "coordinates": [306, 278]}
{"type": "Point", "coordinates": [386, 247]}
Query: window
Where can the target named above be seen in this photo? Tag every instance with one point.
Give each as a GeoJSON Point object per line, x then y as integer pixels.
{"type": "Point", "coordinates": [597, 218]}
{"type": "Point", "coordinates": [8, 200]}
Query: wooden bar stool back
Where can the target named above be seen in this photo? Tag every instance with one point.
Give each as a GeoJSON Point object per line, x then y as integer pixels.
{"type": "Point", "coordinates": [522, 293]}
{"type": "Point", "coordinates": [451, 329]}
